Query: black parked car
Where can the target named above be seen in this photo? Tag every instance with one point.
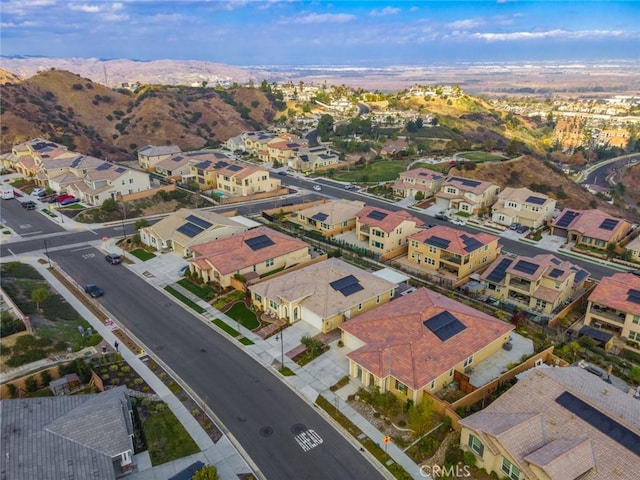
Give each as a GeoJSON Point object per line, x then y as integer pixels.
{"type": "Point", "coordinates": [93, 290]}
{"type": "Point", "coordinates": [29, 205]}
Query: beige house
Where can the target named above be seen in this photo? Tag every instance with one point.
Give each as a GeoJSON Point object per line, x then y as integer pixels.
{"type": "Point", "coordinates": [249, 254]}
{"type": "Point", "coordinates": [423, 180]}
{"type": "Point", "coordinates": [452, 250]}
{"type": "Point", "coordinates": [557, 423]}
{"type": "Point", "coordinates": [186, 227]}
{"type": "Point", "coordinates": [590, 228]}
{"type": "Point", "coordinates": [150, 155]}
{"type": "Point", "coordinates": [324, 294]}
{"type": "Point", "coordinates": [542, 283]}
{"type": "Point", "coordinates": [459, 194]}
{"type": "Point", "coordinates": [176, 166]}
{"type": "Point", "coordinates": [313, 158]}
{"type": "Point", "coordinates": [415, 343]}
{"type": "Point", "coordinates": [385, 232]}
{"type": "Point", "coordinates": [108, 181]}
{"type": "Point", "coordinates": [330, 218]}
{"type": "Point", "coordinates": [614, 306]}
{"type": "Point", "coordinates": [27, 158]}
{"type": "Point", "coordinates": [523, 206]}
{"type": "Point", "coordinates": [634, 247]}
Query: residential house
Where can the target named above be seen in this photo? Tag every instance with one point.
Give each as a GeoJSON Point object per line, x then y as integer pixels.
{"type": "Point", "coordinates": [523, 206]}
{"type": "Point", "coordinates": [634, 248]}
{"type": "Point", "coordinates": [282, 150]}
{"type": "Point", "coordinates": [422, 180]}
{"type": "Point", "coordinates": [557, 423]}
{"type": "Point", "coordinates": [27, 157]}
{"type": "Point", "coordinates": [176, 166]}
{"type": "Point", "coordinates": [614, 306]}
{"type": "Point", "coordinates": [324, 294]}
{"type": "Point", "coordinates": [256, 143]}
{"type": "Point", "coordinates": [149, 155]}
{"type": "Point", "coordinates": [447, 249]}
{"type": "Point", "coordinates": [108, 180]}
{"type": "Point", "coordinates": [330, 218]}
{"type": "Point", "coordinates": [313, 158]}
{"type": "Point", "coordinates": [248, 254]}
{"type": "Point", "coordinates": [415, 343]}
{"type": "Point", "coordinates": [543, 283]}
{"type": "Point", "coordinates": [186, 227]}
{"type": "Point", "coordinates": [459, 194]}
{"type": "Point", "coordinates": [67, 436]}
{"type": "Point", "coordinates": [386, 232]}
{"type": "Point", "coordinates": [590, 228]}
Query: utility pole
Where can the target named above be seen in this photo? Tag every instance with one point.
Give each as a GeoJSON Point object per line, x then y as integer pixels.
{"type": "Point", "coordinates": [47, 251]}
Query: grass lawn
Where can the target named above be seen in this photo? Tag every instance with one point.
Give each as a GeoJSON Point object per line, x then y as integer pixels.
{"type": "Point", "coordinates": [286, 372]}
{"type": "Point", "coordinates": [240, 313]}
{"type": "Point", "coordinates": [438, 167]}
{"type": "Point", "coordinates": [246, 341]}
{"type": "Point", "coordinates": [230, 330]}
{"type": "Point", "coordinates": [75, 206]}
{"type": "Point", "coordinates": [142, 254]}
{"type": "Point", "coordinates": [480, 156]}
{"type": "Point", "coordinates": [205, 292]}
{"type": "Point", "coordinates": [184, 299]}
{"type": "Point", "coordinates": [167, 439]}
{"type": "Point", "coordinates": [378, 171]}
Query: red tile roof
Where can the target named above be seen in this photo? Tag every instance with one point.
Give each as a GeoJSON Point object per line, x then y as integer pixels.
{"type": "Point", "coordinates": [389, 222]}
{"type": "Point", "coordinates": [398, 343]}
{"type": "Point", "coordinates": [454, 236]}
{"type": "Point", "coordinates": [613, 292]}
{"type": "Point", "coordinates": [232, 253]}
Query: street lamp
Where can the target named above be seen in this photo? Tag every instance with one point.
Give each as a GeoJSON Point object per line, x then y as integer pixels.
{"type": "Point", "coordinates": [47, 251]}
{"type": "Point", "coordinates": [280, 338]}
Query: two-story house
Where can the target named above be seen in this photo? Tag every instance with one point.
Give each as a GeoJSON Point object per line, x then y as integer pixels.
{"type": "Point", "coordinates": [459, 194]}
{"type": "Point", "coordinates": [310, 159]}
{"type": "Point", "coordinates": [523, 206]}
{"type": "Point", "coordinates": [109, 180]}
{"type": "Point", "coordinates": [249, 255]}
{"type": "Point", "coordinates": [386, 232]}
{"type": "Point", "coordinates": [557, 423]}
{"type": "Point", "coordinates": [423, 180]}
{"type": "Point", "coordinates": [150, 155]}
{"type": "Point", "coordinates": [614, 306]}
{"type": "Point", "coordinates": [329, 218]}
{"type": "Point", "coordinates": [324, 294]}
{"type": "Point", "coordinates": [175, 167]}
{"type": "Point", "coordinates": [451, 250]}
{"type": "Point", "coordinates": [415, 343]}
{"type": "Point", "coordinates": [542, 283]}
{"type": "Point", "coordinates": [590, 228]}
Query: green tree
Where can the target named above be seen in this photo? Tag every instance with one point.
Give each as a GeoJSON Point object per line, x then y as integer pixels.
{"type": "Point", "coordinates": [109, 205]}
{"type": "Point", "coordinates": [39, 295]}
{"type": "Point", "coordinates": [419, 195]}
{"type": "Point", "coordinates": [141, 223]}
{"type": "Point", "coordinates": [325, 126]}
{"type": "Point", "coordinates": [634, 374]}
{"type": "Point", "coordinates": [45, 377]}
{"type": "Point", "coordinates": [420, 417]}
{"type": "Point", "coordinates": [208, 472]}
{"type": "Point", "coordinates": [31, 384]}
{"type": "Point", "coordinates": [12, 389]}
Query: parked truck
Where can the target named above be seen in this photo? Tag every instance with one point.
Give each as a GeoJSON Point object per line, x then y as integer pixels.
{"type": "Point", "coordinates": [7, 191]}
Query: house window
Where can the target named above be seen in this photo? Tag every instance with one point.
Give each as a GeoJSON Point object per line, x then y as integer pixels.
{"type": "Point", "coordinates": [484, 259]}
{"type": "Point", "coordinates": [540, 303]}
{"type": "Point", "coordinates": [269, 263]}
{"type": "Point", "coordinates": [377, 244]}
{"type": "Point", "coordinates": [451, 372]}
{"type": "Point", "coordinates": [468, 361]}
{"type": "Point", "coordinates": [509, 469]}
{"type": "Point", "coordinates": [635, 319]}
{"type": "Point", "coordinates": [429, 261]}
{"type": "Point", "coordinates": [378, 299]}
{"type": "Point", "coordinates": [433, 384]}
{"type": "Point", "coordinates": [414, 243]}
{"type": "Point", "coordinates": [401, 387]}
{"type": "Point", "coordinates": [432, 249]}
{"type": "Point", "coordinates": [476, 445]}
{"type": "Point", "coordinates": [635, 336]}
{"type": "Point", "coordinates": [359, 306]}
{"type": "Point", "coordinates": [131, 180]}
{"type": "Point", "coordinates": [257, 297]}
{"type": "Point", "coordinates": [273, 304]}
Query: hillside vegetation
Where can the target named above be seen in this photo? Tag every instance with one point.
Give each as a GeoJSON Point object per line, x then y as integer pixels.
{"type": "Point", "coordinates": [93, 119]}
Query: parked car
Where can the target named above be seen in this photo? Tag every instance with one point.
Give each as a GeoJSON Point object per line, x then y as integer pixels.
{"type": "Point", "coordinates": [94, 291]}
{"type": "Point", "coordinates": [113, 258]}
{"type": "Point", "coordinates": [283, 173]}
{"type": "Point", "coordinates": [458, 221]}
{"type": "Point", "coordinates": [350, 186]}
{"type": "Point", "coordinates": [29, 205]}
{"type": "Point", "coordinates": [522, 229]}
{"type": "Point", "coordinates": [39, 192]}
{"type": "Point", "coordinates": [440, 216]}
{"type": "Point", "coordinates": [52, 199]}
{"type": "Point", "coordinates": [183, 270]}
{"type": "Point", "coordinates": [69, 201]}
{"type": "Point", "coordinates": [61, 198]}
{"type": "Point", "coordinates": [317, 188]}
{"type": "Point", "coordinates": [514, 226]}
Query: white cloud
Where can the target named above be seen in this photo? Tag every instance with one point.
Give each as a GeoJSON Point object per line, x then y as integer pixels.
{"type": "Point", "coordinates": [556, 34]}
{"type": "Point", "coordinates": [384, 12]}
{"type": "Point", "coordinates": [323, 18]}
{"type": "Point", "coordinates": [84, 8]}
{"type": "Point", "coordinates": [466, 24]}
{"type": "Point", "coordinates": [24, 7]}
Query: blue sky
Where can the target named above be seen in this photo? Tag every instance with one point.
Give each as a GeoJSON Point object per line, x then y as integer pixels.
{"type": "Point", "coordinates": [292, 32]}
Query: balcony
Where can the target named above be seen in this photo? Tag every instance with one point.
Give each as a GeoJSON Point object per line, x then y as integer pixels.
{"type": "Point", "coordinates": [450, 258]}
{"type": "Point", "coordinates": [521, 285]}
{"type": "Point", "coordinates": [607, 314]}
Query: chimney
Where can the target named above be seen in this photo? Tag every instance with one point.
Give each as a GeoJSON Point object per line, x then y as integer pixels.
{"type": "Point", "coordinates": [606, 391]}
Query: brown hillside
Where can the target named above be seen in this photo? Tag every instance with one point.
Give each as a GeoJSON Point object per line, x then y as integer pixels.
{"type": "Point", "coordinates": [538, 176]}
{"type": "Point", "coordinates": [7, 77]}
{"type": "Point", "coordinates": [94, 119]}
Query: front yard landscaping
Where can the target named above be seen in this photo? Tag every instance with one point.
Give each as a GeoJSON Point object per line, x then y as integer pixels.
{"type": "Point", "coordinates": [167, 439]}
{"type": "Point", "coordinates": [205, 292]}
{"type": "Point", "coordinates": [187, 301]}
{"type": "Point", "coordinates": [142, 254]}
{"type": "Point", "coordinates": [241, 313]}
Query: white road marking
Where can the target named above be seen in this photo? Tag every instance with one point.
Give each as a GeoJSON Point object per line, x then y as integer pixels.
{"type": "Point", "coordinates": [78, 249]}
{"type": "Point", "coordinates": [308, 439]}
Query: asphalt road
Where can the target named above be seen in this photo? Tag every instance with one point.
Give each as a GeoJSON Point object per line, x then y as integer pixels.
{"type": "Point", "coordinates": [598, 176]}
{"type": "Point", "coordinates": [261, 412]}
{"type": "Point", "coordinates": [27, 222]}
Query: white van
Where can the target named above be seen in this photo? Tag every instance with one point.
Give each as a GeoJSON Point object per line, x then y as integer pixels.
{"type": "Point", "coordinates": [7, 191]}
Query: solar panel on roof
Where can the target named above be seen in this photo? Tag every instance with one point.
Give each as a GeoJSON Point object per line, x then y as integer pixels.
{"type": "Point", "coordinates": [321, 217]}
{"type": "Point", "coordinates": [177, 158]}
{"type": "Point", "coordinates": [103, 166]}
{"type": "Point", "coordinates": [580, 274]}
{"type": "Point", "coordinates": [556, 272]}
{"type": "Point", "coordinates": [377, 215]}
{"type": "Point", "coordinates": [204, 164]}
{"type": "Point", "coordinates": [438, 242]}
{"type": "Point", "coordinates": [351, 289]}
{"type": "Point", "coordinates": [423, 174]}
{"type": "Point", "coordinates": [343, 282]}
{"type": "Point", "coordinates": [525, 267]}
{"type": "Point", "coordinates": [498, 273]}
{"type": "Point", "coordinates": [190, 230]}
{"type": "Point", "coordinates": [556, 261]}
{"type": "Point", "coordinates": [466, 182]}
{"type": "Point", "coordinates": [600, 421]}
{"type": "Point", "coordinates": [221, 164]}
{"type": "Point", "coordinates": [567, 218]}
{"type": "Point", "coordinates": [444, 325]}
{"type": "Point", "coordinates": [258, 243]}
{"type": "Point", "coordinates": [75, 162]}
{"type": "Point", "coordinates": [235, 168]}
{"type": "Point", "coordinates": [470, 243]}
{"type": "Point", "coordinates": [121, 169]}
{"type": "Point", "coordinates": [633, 296]}
{"type": "Point", "coordinates": [198, 221]}
{"type": "Point", "coordinates": [609, 224]}
{"type": "Point", "coordinates": [535, 200]}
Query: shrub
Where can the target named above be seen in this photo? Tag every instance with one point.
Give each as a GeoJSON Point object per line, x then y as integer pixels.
{"type": "Point", "coordinates": [469, 458]}
{"type": "Point", "coordinates": [12, 390]}
{"type": "Point", "coordinates": [113, 368]}
{"type": "Point", "coordinates": [115, 381]}
{"type": "Point", "coordinates": [45, 377]}
{"type": "Point", "coordinates": [31, 384]}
